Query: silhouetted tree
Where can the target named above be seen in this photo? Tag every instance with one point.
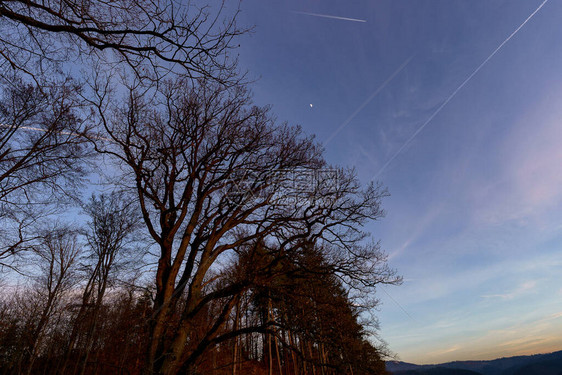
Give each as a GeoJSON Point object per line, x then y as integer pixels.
{"type": "Point", "coordinates": [58, 252]}
{"type": "Point", "coordinates": [41, 157]}
{"type": "Point", "coordinates": [150, 37]}
{"type": "Point", "coordinates": [259, 260]}
{"type": "Point", "coordinates": [315, 322]}
{"type": "Point", "coordinates": [212, 173]}
{"type": "Point", "coordinates": [109, 237]}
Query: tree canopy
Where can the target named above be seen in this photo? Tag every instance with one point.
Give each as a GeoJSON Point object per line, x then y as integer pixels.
{"type": "Point", "coordinates": [222, 242]}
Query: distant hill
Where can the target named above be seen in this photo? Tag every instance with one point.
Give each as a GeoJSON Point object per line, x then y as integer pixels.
{"type": "Point", "coordinates": [437, 371]}
{"type": "Point", "coordinates": [539, 364]}
{"type": "Point", "coordinates": [541, 368]}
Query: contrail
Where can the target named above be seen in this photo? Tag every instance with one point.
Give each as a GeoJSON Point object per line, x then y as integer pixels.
{"type": "Point", "coordinates": [397, 304]}
{"type": "Point", "coordinates": [35, 129]}
{"type": "Point", "coordinates": [329, 16]}
{"type": "Point", "coordinates": [30, 128]}
{"type": "Point", "coordinates": [436, 112]}
{"type": "Point", "coordinates": [368, 100]}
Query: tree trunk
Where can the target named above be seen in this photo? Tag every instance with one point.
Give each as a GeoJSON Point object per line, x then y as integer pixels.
{"type": "Point", "coordinates": [269, 338]}
{"type": "Point", "coordinates": [235, 349]}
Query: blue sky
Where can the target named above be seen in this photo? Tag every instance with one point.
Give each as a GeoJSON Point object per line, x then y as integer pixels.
{"type": "Point", "coordinates": [474, 222]}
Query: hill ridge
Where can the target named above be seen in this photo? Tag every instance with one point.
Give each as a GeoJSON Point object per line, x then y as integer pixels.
{"type": "Point", "coordinates": [535, 364]}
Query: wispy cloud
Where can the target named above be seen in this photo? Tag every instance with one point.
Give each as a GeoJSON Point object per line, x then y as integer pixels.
{"type": "Point", "coordinates": [330, 16]}
{"type": "Point", "coordinates": [455, 92]}
{"type": "Point", "coordinates": [527, 185]}
{"type": "Point", "coordinates": [418, 228]}
{"type": "Point", "coordinates": [368, 100]}
{"type": "Point", "coordinates": [431, 287]}
{"type": "Point", "coordinates": [448, 350]}
{"type": "Point", "coordinates": [521, 290]}
{"type": "Point", "coordinates": [540, 334]}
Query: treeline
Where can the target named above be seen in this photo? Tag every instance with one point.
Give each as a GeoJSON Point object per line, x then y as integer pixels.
{"type": "Point", "coordinates": [77, 317]}
{"type": "Point", "coordinates": [216, 241]}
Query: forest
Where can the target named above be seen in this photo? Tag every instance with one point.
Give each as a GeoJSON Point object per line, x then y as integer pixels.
{"type": "Point", "coordinates": [154, 220]}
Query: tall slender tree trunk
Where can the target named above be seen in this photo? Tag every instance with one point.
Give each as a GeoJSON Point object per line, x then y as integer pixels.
{"type": "Point", "coordinates": [323, 357]}
{"type": "Point", "coordinates": [269, 337]}
{"type": "Point", "coordinates": [293, 354]}
{"type": "Point", "coordinates": [270, 372]}
{"type": "Point", "coordinates": [278, 356]}
{"type": "Point", "coordinates": [235, 349]}
{"type": "Point", "coordinates": [311, 353]}
{"type": "Point", "coordinates": [304, 362]}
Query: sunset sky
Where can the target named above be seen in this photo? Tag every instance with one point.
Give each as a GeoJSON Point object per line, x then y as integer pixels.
{"type": "Point", "coordinates": [456, 107]}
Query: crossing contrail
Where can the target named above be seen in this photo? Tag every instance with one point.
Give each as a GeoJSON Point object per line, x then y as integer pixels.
{"type": "Point", "coordinates": [329, 16]}
{"type": "Point", "coordinates": [450, 97]}
{"type": "Point", "coordinates": [368, 100]}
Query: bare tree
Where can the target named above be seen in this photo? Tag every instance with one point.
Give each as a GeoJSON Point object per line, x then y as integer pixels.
{"type": "Point", "coordinates": [110, 240]}
{"type": "Point", "coordinates": [41, 155]}
{"type": "Point", "coordinates": [151, 37]}
{"type": "Point", "coordinates": [43, 44]}
{"type": "Point", "coordinates": [58, 252]}
{"type": "Point", "coordinates": [212, 173]}
{"type": "Point", "coordinates": [109, 237]}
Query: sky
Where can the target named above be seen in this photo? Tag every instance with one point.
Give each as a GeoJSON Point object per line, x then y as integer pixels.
{"type": "Point", "coordinates": [456, 107]}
